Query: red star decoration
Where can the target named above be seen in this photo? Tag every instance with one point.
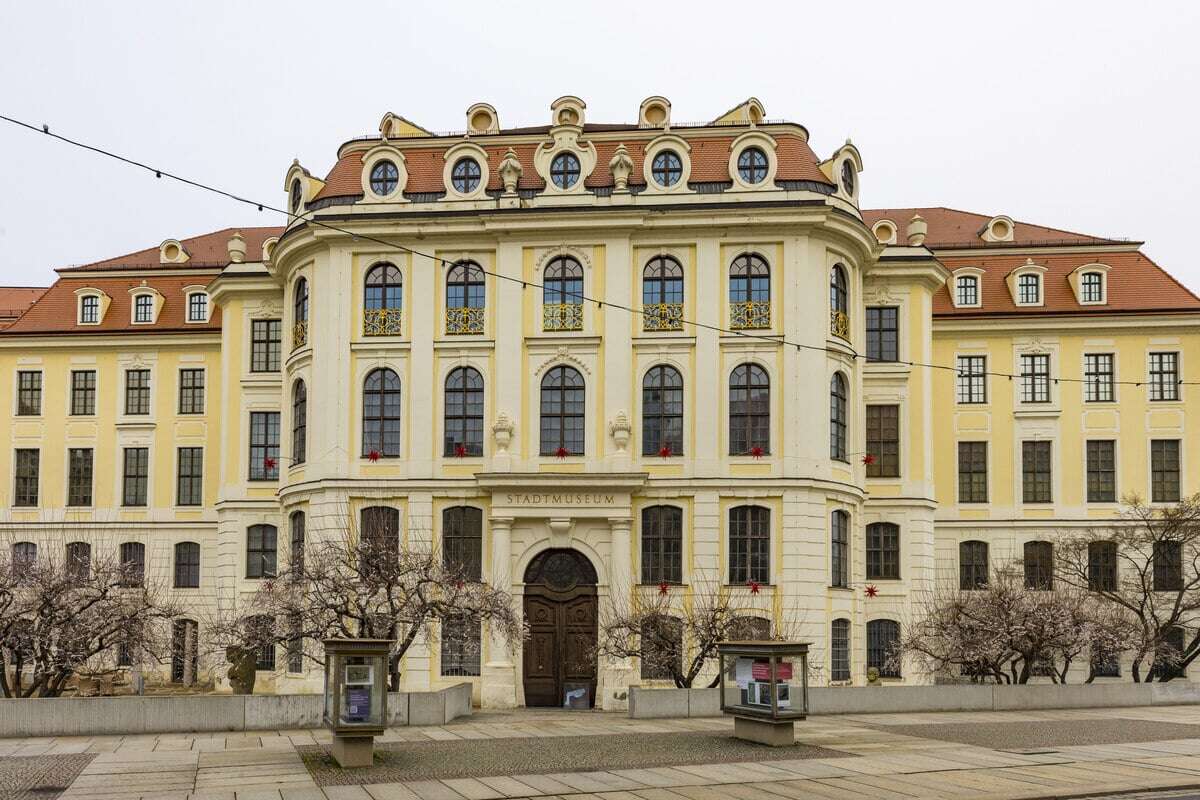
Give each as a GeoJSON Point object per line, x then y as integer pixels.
{"type": "Point", "coordinates": [665, 451]}
{"type": "Point", "coordinates": [757, 452]}
{"type": "Point", "coordinates": [458, 584]}
{"type": "Point", "coordinates": [663, 587]}
{"type": "Point", "coordinates": [460, 451]}
{"type": "Point", "coordinates": [562, 452]}
{"type": "Point", "coordinates": [872, 591]}
{"type": "Point", "coordinates": [373, 456]}
{"type": "Point", "coordinates": [868, 459]}
{"type": "Point", "coordinates": [269, 462]}
{"type": "Point", "coordinates": [754, 586]}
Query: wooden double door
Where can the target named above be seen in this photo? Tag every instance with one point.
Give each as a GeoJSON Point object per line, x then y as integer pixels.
{"type": "Point", "coordinates": [561, 609]}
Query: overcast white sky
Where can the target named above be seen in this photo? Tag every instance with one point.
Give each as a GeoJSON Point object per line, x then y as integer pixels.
{"type": "Point", "coordinates": [1076, 115]}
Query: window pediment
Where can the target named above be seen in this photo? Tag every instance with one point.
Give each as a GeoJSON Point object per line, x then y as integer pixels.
{"type": "Point", "coordinates": [565, 143]}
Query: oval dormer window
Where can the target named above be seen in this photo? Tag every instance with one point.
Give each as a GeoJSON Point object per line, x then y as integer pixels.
{"type": "Point", "coordinates": [564, 170]}
{"type": "Point", "coordinates": [466, 175]}
{"type": "Point", "coordinates": [848, 177]}
{"type": "Point", "coordinates": [384, 178]}
{"type": "Point", "coordinates": [666, 168]}
{"type": "Point", "coordinates": [752, 165]}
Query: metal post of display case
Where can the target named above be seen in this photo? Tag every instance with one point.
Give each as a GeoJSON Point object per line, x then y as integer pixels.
{"type": "Point", "coordinates": [764, 711]}
{"type": "Point", "coordinates": [356, 672]}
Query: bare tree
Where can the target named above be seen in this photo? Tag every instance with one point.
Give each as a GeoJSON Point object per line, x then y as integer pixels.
{"type": "Point", "coordinates": [1148, 565]}
{"type": "Point", "coordinates": [69, 611]}
{"type": "Point", "coordinates": [369, 585]}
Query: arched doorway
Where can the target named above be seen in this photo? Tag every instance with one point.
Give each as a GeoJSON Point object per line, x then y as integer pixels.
{"type": "Point", "coordinates": [560, 607]}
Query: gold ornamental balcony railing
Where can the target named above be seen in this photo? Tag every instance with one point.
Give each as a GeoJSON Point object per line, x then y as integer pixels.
{"type": "Point", "coordinates": [663, 317]}
{"type": "Point", "coordinates": [300, 334]}
{"type": "Point", "coordinates": [381, 321]}
{"type": "Point", "coordinates": [750, 314]}
{"type": "Point", "coordinates": [464, 320]}
{"type": "Point", "coordinates": [562, 317]}
{"type": "Point", "coordinates": [839, 324]}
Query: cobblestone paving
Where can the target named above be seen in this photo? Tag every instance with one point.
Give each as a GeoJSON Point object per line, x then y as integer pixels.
{"type": "Point", "coordinates": [1048, 733]}
{"type": "Point", "coordinates": [478, 758]}
{"type": "Point", "coordinates": [39, 777]}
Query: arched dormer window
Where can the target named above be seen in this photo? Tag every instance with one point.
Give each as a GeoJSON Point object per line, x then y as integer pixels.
{"type": "Point", "coordinates": [837, 417]}
{"type": "Point", "coordinates": [197, 306]}
{"type": "Point", "coordinates": [299, 422]}
{"type": "Point", "coordinates": [463, 419]}
{"type": "Point", "coordinates": [145, 304]}
{"type": "Point", "coordinates": [300, 313]}
{"type": "Point", "coordinates": [662, 295]}
{"type": "Point", "coordinates": [383, 301]}
{"type": "Point", "coordinates": [1026, 284]}
{"type": "Point", "coordinates": [562, 295]}
{"type": "Point", "coordinates": [749, 292]}
{"type": "Point", "coordinates": [966, 291]}
{"type": "Point", "coordinates": [381, 414]}
{"type": "Point", "coordinates": [465, 298]}
{"type": "Point", "coordinates": [662, 412]}
{"type": "Point", "coordinates": [562, 413]}
{"type": "Point", "coordinates": [749, 411]}
{"type": "Point", "coordinates": [839, 309]}
{"type": "Point", "coordinates": [1091, 287]}
{"type": "Point", "coordinates": [89, 309]}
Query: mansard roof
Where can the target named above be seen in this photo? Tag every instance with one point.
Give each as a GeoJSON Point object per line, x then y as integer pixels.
{"type": "Point", "coordinates": [950, 228]}
{"type": "Point", "coordinates": [206, 251]}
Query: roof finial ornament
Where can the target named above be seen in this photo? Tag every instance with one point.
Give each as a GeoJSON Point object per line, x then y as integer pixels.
{"type": "Point", "coordinates": [510, 172]}
{"type": "Point", "coordinates": [236, 247]}
{"type": "Point", "coordinates": [621, 165]}
{"type": "Point", "coordinates": [917, 228]}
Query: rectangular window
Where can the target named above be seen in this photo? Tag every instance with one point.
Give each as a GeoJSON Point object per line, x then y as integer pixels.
{"type": "Point", "coordinates": [25, 487]}
{"type": "Point", "coordinates": [840, 549]}
{"type": "Point", "coordinates": [264, 445]}
{"type": "Point", "coordinates": [136, 474]}
{"type": "Point", "coordinates": [1035, 472]}
{"type": "Point", "coordinates": [1029, 290]}
{"type": "Point", "coordinates": [29, 394]}
{"type": "Point", "coordinates": [1102, 566]}
{"type": "Point", "coordinates": [1101, 471]}
{"type": "Point", "coordinates": [972, 380]}
{"type": "Point", "coordinates": [1035, 378]}
{"type": "Point", "coordinates": [89, 309]}
{"type": "Point", "coordinates": [191, 391]}
{"type": "Point", "coordinates": [187, 565]}
{"type": "Point", "coordinates": [79, 476]}
{"type": "Point", "coordinates": [840, 650]}
{"type": "Point", "coordinates": [261, 551]}
{"type": "Point", "coordinates": [137, 391]}
{"type": "Point", "coordinates": [295, 645]}
{"type": "Point", "coordinates": [1164, 376]}
{"type": "Point", "coordinates": [883, 551]}
{"type": "Point", "coordinates": [190, 481]}
{"type": "Point", "coordinates": [83, 392]}
{"type": "Point", "coordinates": [265, 337]}
{"type": "Point", "coordinates": [1168, 566]}
{"type": "Point", "coordinates": [143, 308]}
{"type": "Point", "coordinates": [1093, 287]}
{"type": "Point", "coordinates": [461, 637]}
{"type": "Point", "coordinates": [882, 333]}
{"type": "Point", "coordinates": [197, 307]}
{"type": "Point", "coordinates": [1164, 470]}
{"type": "Point", "coordinates": [883, 441]}
{"type": "Point", "coordinates": [968, 290]}
{"type": "Point", "coordinates": [972, 472]}
{"type": "Point", "coordinates": [1098, 377]}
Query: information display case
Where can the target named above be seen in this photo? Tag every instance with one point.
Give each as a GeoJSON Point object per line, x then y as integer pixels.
{"type": "Point", "coordinates": [764, 686]}
{"type": "Point", "coordinates": [356, 672]}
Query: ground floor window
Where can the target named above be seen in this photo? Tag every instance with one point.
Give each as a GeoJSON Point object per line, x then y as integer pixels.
{"type": "Point", "coordinates": [883, 639]}
{"type": "Point", "coordinates": [461, 646]}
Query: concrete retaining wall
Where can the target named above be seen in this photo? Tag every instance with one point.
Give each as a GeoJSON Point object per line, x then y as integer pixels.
{"type": "Point", "coordinates": [96, 716]}
{"type": "Point", "coordinates": [660, 703]}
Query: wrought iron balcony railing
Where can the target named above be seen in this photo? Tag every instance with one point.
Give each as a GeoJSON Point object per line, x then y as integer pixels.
{"type": "Point", "coordinates": [381, 321]}
{"type": "Point", "coordinates": [750, 314]}
{"type": "Point", "coordinates": [663, 317]}
{"type": "Point", "coordinates": [299, 334]}
{"type": "Point", "coordinates": [464, 320]}
{"type": "Point", "coordinates": [839, 324]}
{"type": "Point", "coordinates": [562, 317]}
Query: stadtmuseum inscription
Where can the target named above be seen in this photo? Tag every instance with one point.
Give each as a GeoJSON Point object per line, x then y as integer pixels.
{"type": "Point", "coordinates": [567, 499]}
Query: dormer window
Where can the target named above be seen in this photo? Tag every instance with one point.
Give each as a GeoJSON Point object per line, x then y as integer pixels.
{"type": "Point", "coordinates": [466, 175]}
{"type": "Point", "coordinates": [296, 196]}
{"type": "Point", "coordinates": [752, 165]}
{"type": "Point", "coordinates": [89, 310]}
{"type": "Point", "coordinates": [564, 170]}
{"type": "Point", "coordinates": [143, 308]}
{"type": "Point", "coordinates": [848, 177]}
{"type": "Point", "coordinates": [384, 178]}
{"type": "Point", "coordinates": [967, 290]}
{"type": "Point", "coordinates": [1092, 287]}
{"type": "Point", "coordinates": [667, 169]}
{"type": "Point", "coordinates": [1029, 290]}
{"type": "Point", "coordinates": [197, 305]}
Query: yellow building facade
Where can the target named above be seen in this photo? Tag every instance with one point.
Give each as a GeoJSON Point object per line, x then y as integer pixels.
{"type": "Point", "coordinates": [601, 360]}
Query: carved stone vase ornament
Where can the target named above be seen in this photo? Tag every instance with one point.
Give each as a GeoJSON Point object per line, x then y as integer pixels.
{"type": "Point", "coordinates": [510, 171]}
{"type": "Point", "coordinates": [620, 430]}
{"type": "Point", "coordinates": [502, 431]}
{"type": "Point", "coordinates": [621, 165]}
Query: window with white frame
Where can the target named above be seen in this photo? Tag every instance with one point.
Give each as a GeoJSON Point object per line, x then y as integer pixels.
{"type": "Point", "coordinates": [967, 290]}
{"type": "Point", "coordinates": [197, 304]}
{"type": "Point", "coordinates": [1098, 378]}
{"type": "Point", "coordinates": [1035, 378]}
{"type": "Point", "coordinates": [143, 308]}
{"type": "Point", "coordinates": [1164, 376]}
{"type": "Point", "coordinates": [1091, 287]}
{"type": "Point", "coordinates": [89, 310]}
{"type": "Point", "coordinates": [1029, 289]}
{"type": "Point", "coordinates": [971, 386]}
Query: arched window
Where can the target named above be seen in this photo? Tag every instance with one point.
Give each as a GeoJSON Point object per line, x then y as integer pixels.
{"type": "Point", "coordinates": [562, 295]}
{"type": "Point", "coordinates": [749, 545]}
{"type": "Point", "coordinates": [299, 422]}
{"type": "Point", "coordinates": [381, 414]}
{"type": "Point", "coordinates": [749, 411]}
{"type": "Point", "coordinates": [187, 565]}
{"type": "Point", "coordinates": [300, 313]}
{"type": "Point", "coordinates": [837, 417]}
{"type": "Point", "coordinates": [750, 629]}
{"type": "Point", "coordinates": [972, 565]}
{"type": "Point", "coordinates": [185, 649]}
{"type": "Point", "coordinates": [562, 412]}
{"type": "Point", "coordinates": [1039, 566]}
{"type": "Point", "coordinates": [78, 564]}
{"type": "Point", "coordinates": [883, 643]}
{"type": "Point", "coordinates": [462, 541]}
{"type": "Point", "coordinates": [662, 544]}
{"type": "Point", "coordinates": [383, 299]}
{"type": "Point", "coordinates": [296, 551]}
{"type": "Point", "coordinates": [379, 536]}
{"type": "Point", "coordinates": [261, 551]}
{"type": "Point", "coordinates": [662, 295]}
{"type": "Point", "coordinates": [464, 413]}
{"type": "Point", "coordinates": [839, 316]}
{"type": "Point", "coordinates": [839, 650]}
{"type": "Point", "coordinates": [839, 534]}
{"type": "Point", "coordinates": [465, 298]}
{"type": "Point", "coordinates": [662, 412]}
{"type": "Point", "coordinates": [24, 557]}
{"type": "Point", "coordinates": [883, 551]}
{"type": "Point", "coordinates": [133, 564]}
{"type": "Point", "coordinates": [749, 292]}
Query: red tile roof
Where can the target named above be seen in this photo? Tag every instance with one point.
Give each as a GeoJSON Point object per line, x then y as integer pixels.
{"type": "Point", "coordinates": [55, 311]}
{"type": "Point", "coordinates": [950, 227]}
{"type": "Point", "coordinates": [1135, 284]}
{"type": "Point", "coordinates": [15, 299]}
{"type": "Point", "coordinates": [207, 250]}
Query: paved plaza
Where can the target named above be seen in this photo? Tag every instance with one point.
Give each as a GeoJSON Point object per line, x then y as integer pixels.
{"type": "Point", "coordinates": [591, 755]}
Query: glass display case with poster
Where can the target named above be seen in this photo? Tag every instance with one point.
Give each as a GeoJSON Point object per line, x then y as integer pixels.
{"type": "Point", "coordinates": [764, 686]}
{"type": "Point", "coordinates": [355, 696]}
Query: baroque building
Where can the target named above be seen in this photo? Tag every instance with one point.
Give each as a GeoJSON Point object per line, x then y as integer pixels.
{"type": "Point", "coordinates": [596, 360]}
